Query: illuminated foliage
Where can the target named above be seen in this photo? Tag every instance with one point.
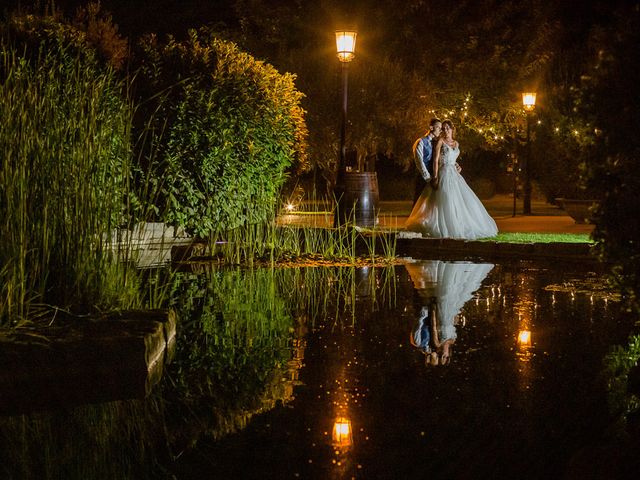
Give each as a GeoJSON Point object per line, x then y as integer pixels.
{"type": "Point", "coordinates": [226, 127]}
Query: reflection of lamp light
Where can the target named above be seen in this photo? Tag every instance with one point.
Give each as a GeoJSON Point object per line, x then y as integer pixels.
{"type": "Point", "coordinates": [524, 337]}
{"type": "Point", "coordinates": [342, 432]}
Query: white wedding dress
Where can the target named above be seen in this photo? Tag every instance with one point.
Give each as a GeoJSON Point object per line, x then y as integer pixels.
{"type": "Point", "coordinates": [456, 284]}
{"type": "Point", "coordinates": [453, 210]}
{"type": "Point", "coordinates": [451, 285]}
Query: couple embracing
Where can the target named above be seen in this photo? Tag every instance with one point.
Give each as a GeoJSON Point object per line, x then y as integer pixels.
{"type": "Point", "coordinates": [444, 205]}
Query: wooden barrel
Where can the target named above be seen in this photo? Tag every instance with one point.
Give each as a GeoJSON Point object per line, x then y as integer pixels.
{"type": "Point", "coordinates": [357, 196]}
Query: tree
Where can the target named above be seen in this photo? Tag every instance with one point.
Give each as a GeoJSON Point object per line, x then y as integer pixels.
{"type": "Point", "coordinates": [609, 107]}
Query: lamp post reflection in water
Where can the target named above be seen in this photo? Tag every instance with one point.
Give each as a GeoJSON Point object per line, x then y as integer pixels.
{"type": "Point", "coordinates": [524, 338]}
{"type": "Point", "coordinates": [342, 436]}
{"type": "Point", "coordinates": [525, 306]}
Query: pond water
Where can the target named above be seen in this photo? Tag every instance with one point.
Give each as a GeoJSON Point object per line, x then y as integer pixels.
{"type": "Point", "coordinates": [431, 369]}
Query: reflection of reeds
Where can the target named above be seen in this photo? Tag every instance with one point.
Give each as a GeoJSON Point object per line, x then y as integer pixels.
{"type": "Point", "coordinates": [121, 439]}
{"type": "Point", "coordinates": [336, 291]}
{"type": "Point", "coordinates": [64, 138]}
{"type": "Point", "coordinates": [237, 333]}
{"type": "Point", "coordinates": [240, 341]}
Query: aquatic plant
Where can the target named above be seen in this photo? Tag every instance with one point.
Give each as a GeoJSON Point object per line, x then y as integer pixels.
{"type": "Point", "coordinates": [64, 174]}
{"type": "Point", "coordinates": [269, 243]}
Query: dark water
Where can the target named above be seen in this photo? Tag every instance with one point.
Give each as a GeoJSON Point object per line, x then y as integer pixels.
{"type": "Point", "coordinates": [434, 370]}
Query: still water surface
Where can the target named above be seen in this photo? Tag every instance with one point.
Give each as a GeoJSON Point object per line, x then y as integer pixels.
{"type": "Point", "coordinates": [427, 370]}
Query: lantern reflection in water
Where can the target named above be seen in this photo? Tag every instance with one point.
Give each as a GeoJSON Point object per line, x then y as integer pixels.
{"type": "Point", "coordinates": [342, 436]}
{"type": "Point", "coordinates": [524, 338]}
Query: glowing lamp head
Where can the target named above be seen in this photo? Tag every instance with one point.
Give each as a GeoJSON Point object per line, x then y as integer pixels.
{"type": "Point", "coordinates": [529, 101]}
{"type": "Point", "coordinates": [290, 207]}
{"type": "Point", "coordinates": [524, 337]}
{"type": "Point", "coordinates": [346, 44]}
{"type": "Point", "coordinates": [342, 433]}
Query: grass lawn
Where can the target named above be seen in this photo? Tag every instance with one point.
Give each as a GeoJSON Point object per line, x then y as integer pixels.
{"type": "Point", "coordinates": [541, 238]}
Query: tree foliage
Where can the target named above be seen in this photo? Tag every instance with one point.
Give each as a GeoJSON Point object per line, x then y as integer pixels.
{"type": "Point", "coordinates": [609, 106]}
{"type": "Point", "coordinates": [468, 62]}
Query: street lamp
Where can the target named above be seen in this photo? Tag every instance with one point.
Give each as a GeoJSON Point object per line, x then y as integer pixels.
{"type": "Point", "coordinates": [529, 104]}
{"type": "Point", "coordinates": [529, 101]}
{"type": "Point", "coordinates": [346, 46]}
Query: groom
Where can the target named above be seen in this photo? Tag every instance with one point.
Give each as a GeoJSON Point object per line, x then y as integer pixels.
{"type": "Point", "coordinates": [423, 153]}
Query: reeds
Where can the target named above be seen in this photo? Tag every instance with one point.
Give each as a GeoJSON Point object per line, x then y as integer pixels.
{"type": "Point", "coordinates": [64, 178]}
{"type": "Point", "coordinates": [275, 243]}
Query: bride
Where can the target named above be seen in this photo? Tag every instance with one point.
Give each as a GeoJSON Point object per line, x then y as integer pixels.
{"type": "Point", "coordinates": [448, 208]}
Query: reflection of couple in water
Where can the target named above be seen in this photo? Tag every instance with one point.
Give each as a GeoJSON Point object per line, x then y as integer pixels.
{"type": "Point", "coordinates": [442, 288]}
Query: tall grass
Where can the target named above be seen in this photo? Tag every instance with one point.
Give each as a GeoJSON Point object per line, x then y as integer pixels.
{"type": "Point", "coordinates": [274, 243]}
{"type": "Point", "coordinates": [64, 173]}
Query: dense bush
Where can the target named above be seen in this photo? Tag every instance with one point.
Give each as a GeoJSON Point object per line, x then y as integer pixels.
{"type": "Point", "coordinates": [610, 108]}
{"type": "Point", "coordinates": [225, 128]}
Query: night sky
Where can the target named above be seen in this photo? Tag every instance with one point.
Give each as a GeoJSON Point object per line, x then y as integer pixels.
{"type": "Point", "coordinates": [136, 17]}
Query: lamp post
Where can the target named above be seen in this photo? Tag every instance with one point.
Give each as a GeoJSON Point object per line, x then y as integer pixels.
{"type": "Point", "coordinates": [514, 170]}
{"type": "Point", "coordinates": [346, 46]}
{"type": "Point", "coordinates": [529, 104]}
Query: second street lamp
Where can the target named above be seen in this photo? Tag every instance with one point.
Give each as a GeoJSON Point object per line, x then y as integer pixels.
{"type": "Point", "coordinates": [529, 104]}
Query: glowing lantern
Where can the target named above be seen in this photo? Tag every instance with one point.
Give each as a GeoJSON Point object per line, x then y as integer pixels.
{"type": "Point", "coordinates": [529, 101]}
{"type": "Point", "coordinates": [346, 44]}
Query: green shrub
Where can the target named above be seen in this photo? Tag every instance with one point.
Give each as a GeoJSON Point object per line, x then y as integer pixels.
{"type": "Point", "coordinates": [608, 107]}
{"type": "Point", "coordinates": [225, 128]}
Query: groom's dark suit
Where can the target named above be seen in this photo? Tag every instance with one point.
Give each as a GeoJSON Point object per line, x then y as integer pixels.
{"type": "Point", "coordinates": [424, 166]}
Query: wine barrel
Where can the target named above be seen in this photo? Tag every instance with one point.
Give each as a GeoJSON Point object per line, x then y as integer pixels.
{"type": "Point", "coordinates": [357, 199]}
